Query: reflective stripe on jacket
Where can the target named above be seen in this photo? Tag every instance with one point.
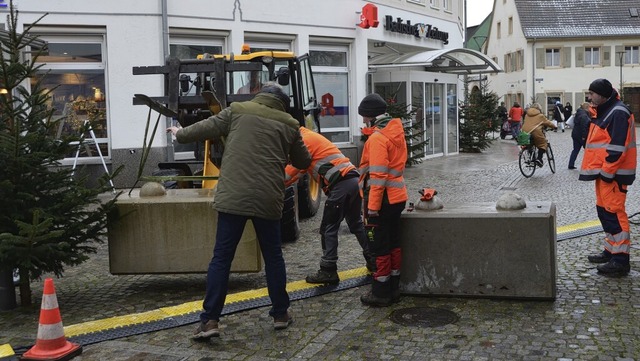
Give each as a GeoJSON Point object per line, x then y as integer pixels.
{"type": "Point", "coordinates": [382, 166]}
{"type": "Point", "coordinates": [328, 163]}
{"type": "Point", "coordinates": [610, 152]}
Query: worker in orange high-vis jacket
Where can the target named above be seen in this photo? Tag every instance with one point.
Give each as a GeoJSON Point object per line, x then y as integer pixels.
{"type": "Point", "coordinates": [385, 195]}
{"type": "Point", "coordinates": [339, 179]}
{"type": "Point", "coordinates": [610, 160]}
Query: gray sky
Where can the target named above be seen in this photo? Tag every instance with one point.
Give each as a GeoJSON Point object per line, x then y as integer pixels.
{"type": "Point", "coordinates": [477, 10]}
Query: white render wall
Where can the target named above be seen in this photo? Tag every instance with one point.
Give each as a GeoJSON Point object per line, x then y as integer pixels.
{"type": "Point", "coordinates": [134, 38]}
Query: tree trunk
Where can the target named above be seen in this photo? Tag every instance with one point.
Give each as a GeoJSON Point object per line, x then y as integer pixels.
{"type": "Point", "coordinates": [7, 290]}
{"type": "Point", "coordinates": [25, 288]}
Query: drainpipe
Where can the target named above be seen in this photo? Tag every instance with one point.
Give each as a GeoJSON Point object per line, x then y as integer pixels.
{"type": "Point", "coordinates": [533, 61]}
{"type": "Point", "coordinates": [165, 56]}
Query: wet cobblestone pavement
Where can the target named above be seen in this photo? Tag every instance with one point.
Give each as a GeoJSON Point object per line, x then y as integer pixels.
{"type": "Point", "coordinates": [593, 317]}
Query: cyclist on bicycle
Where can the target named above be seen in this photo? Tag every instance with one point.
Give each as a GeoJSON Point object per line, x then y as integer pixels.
{"type": "Point", "coordinates": [534, 122]}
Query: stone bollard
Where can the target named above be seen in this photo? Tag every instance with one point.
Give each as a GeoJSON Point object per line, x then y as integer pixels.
{"type": "Point", "coordinates": [510, 201]}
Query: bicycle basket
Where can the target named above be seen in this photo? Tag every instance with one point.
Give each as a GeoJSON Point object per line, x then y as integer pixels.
{"type": "Point", "coordinates": [524, 138]}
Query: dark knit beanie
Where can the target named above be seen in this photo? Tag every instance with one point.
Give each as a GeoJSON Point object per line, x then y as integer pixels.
{"type": "Point", "coordinates": [372, 105]}
{"type": "Point", "coordinates": [601, 87]}
{"type": "Point", "coordinates": [275, 89]}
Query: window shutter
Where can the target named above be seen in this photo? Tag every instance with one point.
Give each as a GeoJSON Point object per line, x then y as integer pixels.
{"type": "Point", "coordinates": [540, 55]}
{"type": "Point", "coordinates": [579, 56]}
{"type": "Point", "coordinates": [540, 98]}
{"type": "Point", "coordinates": [566, 57]}
{"type": "Point", "coordinates": [606, 56]}
{"type": "Point", "coordinates": [617, 58]}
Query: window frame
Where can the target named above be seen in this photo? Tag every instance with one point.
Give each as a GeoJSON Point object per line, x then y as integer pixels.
{"type": "Point", "coordinates": [629, 52]}
{"type": "Point", "coordinates": [97, 36]}
{"type": "Point", "coordinates": [554, 52]}
{"type": "Point", "coordinates": [589, 52]}
{"type": "Point", "coordinates": [346, 49]}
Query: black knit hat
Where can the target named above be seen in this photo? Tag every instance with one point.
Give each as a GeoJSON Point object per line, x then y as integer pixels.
{"type": "Point", "coordinates": [275, 89]}
{"type": "Point", "coordinates": [601, 87]}
{"type": "Point", "coordinates": [372, 105]}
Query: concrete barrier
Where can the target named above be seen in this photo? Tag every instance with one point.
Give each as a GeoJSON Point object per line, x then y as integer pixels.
{"type": "Point", "coordinates": [478, 251]}
{"type": "Point", "coordinates": [174, 233]}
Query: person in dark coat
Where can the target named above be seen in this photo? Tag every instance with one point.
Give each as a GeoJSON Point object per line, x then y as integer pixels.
{"type": "Point", "coordinates": [568, 111]}
{"type": "Point", "coordinates": [558, 112]}
{"type": "Point", "coordinates": [581, 122]}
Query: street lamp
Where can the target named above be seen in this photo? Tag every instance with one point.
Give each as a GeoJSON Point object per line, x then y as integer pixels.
{"type": "Point", "coordinates": [620, 55]}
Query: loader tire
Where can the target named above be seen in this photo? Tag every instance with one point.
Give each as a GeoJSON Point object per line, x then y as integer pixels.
{"type": "Point", "coordinates": [290, 229]}
{"type": "Point", "coordinates": [309, 197]}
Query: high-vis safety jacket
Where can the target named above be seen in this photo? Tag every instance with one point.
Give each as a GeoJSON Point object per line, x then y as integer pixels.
{"type": "Point", "coordinates": [610, 153]}
{"type": "Point", "coordinates": [328, 164]}
{"type": "Point", "coordinates": [382, 166]}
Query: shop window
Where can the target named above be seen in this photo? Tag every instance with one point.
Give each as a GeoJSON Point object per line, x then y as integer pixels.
{"type": "Point", "coordinates": [631, 55]}
{"type": "Point", "coordinates": [74, 71]}
{"type": "Point", "coordinates": [552, 57]}
{"type": "Point", "coordinates": [331, 78]}
{"type": "Point", "coordinates": [591, 56]}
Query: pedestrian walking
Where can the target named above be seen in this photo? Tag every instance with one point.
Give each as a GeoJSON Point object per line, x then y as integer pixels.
{"type": "Point", "coordinates": [579, 132]}
{"type": "Point", "coordinates": [568, 111]}
{"type": "Point", "coordinates": [610, 159]}
{"type": "Point", "coordinates": [385, 195]}
{"type": "Point", "coordinates": [339, 179]}
{"type": "Point", "coordinates": [250, 187]}
{"type": "Point", "coordinates": [516, 113]}
{"type": "Point", "coordinates": [558, 115]}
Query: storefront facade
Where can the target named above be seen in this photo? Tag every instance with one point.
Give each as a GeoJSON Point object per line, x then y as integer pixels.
{"type": "Point", "coordinates": [354, 46]}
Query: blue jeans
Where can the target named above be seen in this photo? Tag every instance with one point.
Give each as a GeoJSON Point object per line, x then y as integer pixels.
{"type": "Point", "coordinates": [229, 232]}
{"type": "Point", "coordinates": [515, 129]}
{"type": "Point", "coordinates": [577, 144]}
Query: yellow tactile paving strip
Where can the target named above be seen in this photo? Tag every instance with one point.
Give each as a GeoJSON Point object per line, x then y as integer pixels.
{"type": "Point", "coordinates": [196, 306]}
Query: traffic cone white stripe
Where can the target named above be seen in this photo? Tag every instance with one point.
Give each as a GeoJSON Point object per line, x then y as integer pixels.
{"type": "Point", "coordinates": [50, 332]}
{"type": "Point", "coordinates": [49, 302]}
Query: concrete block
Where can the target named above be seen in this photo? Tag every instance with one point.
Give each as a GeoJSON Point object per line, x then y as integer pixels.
{"type": "Point", "coordinates": [174, 233]}
{"type": "Point", "coordinates": [477, 251]}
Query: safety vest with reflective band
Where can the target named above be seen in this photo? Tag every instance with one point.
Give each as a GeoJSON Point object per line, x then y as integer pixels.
{"type": "Point", "coordinates": [610, 151]}
{"type": "Point", "coordinates": [327, 163]}
{"type": "Point", "coordinates": [382, 165]}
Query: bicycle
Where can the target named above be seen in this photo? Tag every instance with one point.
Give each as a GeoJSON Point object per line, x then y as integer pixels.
{"type": "Point", "coordinates": [528, 156]}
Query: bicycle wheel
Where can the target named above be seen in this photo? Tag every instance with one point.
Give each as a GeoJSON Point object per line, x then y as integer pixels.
{"type": "Point", "coordinates": [527, 161]}
{"type": "Point", "coordinates": [550, 159]}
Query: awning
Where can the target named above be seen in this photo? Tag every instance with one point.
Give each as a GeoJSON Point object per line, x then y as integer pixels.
{"type": "Point", "coordinates": [455, 61]}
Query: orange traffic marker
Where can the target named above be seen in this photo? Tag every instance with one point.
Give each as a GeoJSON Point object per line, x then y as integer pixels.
{"type": "Point", "coordinates": [51, 343]}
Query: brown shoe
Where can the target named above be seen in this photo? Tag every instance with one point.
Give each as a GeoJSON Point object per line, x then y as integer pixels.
{"type": "Point", "coordinates": [206, 330]}
{"type": "Point", "coordinates": [282, 322]}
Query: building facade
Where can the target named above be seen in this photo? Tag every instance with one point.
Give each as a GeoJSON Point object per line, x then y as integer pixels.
{"type": "Point", "coordinates": [551, 50]}
{"type": "Point", "coordinates": [408, 50]}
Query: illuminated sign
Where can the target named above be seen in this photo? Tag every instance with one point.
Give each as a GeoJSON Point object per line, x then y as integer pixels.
{"type": "Point", "coordinates": [419, 30]}
{"type": "Point", "coordinates": [369, 17]}
{"type": "Point", "coordinates": [4, 4]}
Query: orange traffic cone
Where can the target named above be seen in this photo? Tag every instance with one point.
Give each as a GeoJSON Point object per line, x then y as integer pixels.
{"type": "Point", "coordinates": [51, 343]}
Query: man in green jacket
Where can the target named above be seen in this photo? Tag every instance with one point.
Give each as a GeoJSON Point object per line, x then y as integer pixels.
{"type": "Point", "coordinates": [260, 138]}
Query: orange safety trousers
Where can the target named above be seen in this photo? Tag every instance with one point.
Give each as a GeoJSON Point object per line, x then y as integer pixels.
{"type": "Point", "coordinates": [610, 204]}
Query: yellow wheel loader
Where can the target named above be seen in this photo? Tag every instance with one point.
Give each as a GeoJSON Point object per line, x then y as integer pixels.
{"type": "Point", "coordinates": [194, 90]}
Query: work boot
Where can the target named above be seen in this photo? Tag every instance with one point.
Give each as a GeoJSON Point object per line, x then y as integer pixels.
{"type": "Point", "coordinates": [614, 268]}
{"type": "Point", "coordinates": [324, 276]}
{"type": "Point", "coordinates": [395, 289]}
{"type": "Point", "coordinates": [282, 322]}
{"type": "Point", "coordinates": [602, 257]}
{"type": "Point", "coordinates": [206, 330]}
{"type": "Point", "coordinates": [379, 295]}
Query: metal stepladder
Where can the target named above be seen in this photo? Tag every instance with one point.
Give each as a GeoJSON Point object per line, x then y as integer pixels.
{"type": "Point", "coordinates": [95, 141]}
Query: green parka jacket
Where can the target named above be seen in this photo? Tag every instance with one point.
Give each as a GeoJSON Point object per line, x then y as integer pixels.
{"type": "Point", "coordinates": [260, 138]}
